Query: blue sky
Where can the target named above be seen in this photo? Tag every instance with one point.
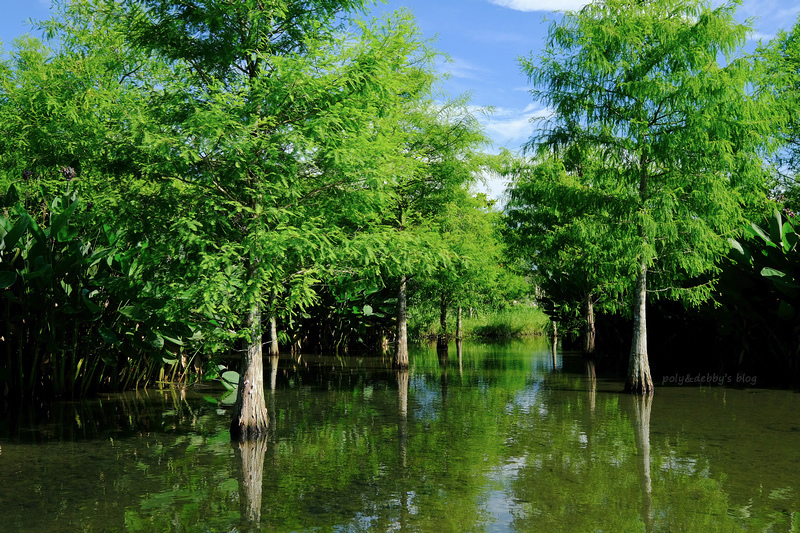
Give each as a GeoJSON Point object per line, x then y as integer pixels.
{"type": "Point", "coordinates": [483, 38]}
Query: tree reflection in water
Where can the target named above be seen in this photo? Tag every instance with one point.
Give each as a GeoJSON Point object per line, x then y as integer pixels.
{"type": "Point", "coordinates": [642, 406]}
{"type": "Point", "coordinates": [251, 453]}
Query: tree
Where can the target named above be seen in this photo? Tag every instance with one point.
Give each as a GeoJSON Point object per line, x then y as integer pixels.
{"type": "Point", "coordinates": [476, 277]}
{"type": "Point", "coordinates": [560, 224]}
{"type": "Point", "coordinates": [275, 127]}
{"type": "Point", "coordinates": [681, 138]}
{"type": "Point", "coordinates": [780, 59]}
{"type": "Point", "coordinates": [441, 158]}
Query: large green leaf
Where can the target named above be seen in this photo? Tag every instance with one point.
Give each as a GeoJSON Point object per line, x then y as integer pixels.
{"type": "Point", "coordinates": [12, 237]}
{"type": "Point", "coordinates": [7, 279]}
{"type": "Point", "coordinates": [230, 379]}
{"type": "Point", "coordinates": [11, 197]}
{"type": "Point", "coordinates": [776, 227]}
{"type": "Point", "coordinates": [108, 336]}
{"type": "Point", "coordinates": [154, 339]}
{"type": "Point", "coordinates": [781, 280]}
{"type": "Point", "coordinates": [61, 220]}
{"type": "Point", "coordinates": [93, 307]}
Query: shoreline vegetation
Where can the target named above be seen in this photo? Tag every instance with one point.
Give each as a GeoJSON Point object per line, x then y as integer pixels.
{"type": "Point", "coordinates": [510, 322]}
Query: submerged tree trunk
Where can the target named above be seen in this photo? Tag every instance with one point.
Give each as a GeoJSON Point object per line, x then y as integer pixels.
{"type": "Point", "coordinates": [460, 354]}
{"type": "Point", "coordinates": [250, 411]}
{"type": "Point", "coordinates": [591, 376]}
{"type": "Point", "coordinates": [401, 353]}
{"type": "Point", "coordinates": [588, 341]}
{"type": "Point", "coordinates": [639, 380]}
{"type": "Point", "coordinates": [402, 419]}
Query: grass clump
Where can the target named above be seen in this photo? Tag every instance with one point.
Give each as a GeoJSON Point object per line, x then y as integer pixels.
{"type": "Point", "coordinates": [516, 321]}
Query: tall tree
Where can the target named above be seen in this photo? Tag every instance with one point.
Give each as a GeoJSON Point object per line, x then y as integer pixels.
{"type": "Point", "coordinates": [442, 158]}
{"type": "Point", "coordinates": [276, 125]}
{"type": "Point", "coordinates": [781, 60]}
{"type": "Point", "coordinates": [561, 223]}
{"type": "Point", "coordinates": [680, 135]}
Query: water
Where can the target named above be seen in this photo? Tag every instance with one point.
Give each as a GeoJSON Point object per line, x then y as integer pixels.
{"type": "Point", "coordinates": [500, 441]}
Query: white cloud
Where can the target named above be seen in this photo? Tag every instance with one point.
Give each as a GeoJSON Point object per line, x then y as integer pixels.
{"type": "Point", "coordinates": [459, 68]}
{"type": "Point", "coordinates": [755, 36]}
{"type": "Point", "coordinates": [542, 5]}
{"type": "Point", "coordinates": [513, 127]}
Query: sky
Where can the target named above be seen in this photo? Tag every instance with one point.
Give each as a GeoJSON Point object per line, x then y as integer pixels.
{"type": "Point", "coordinates": [484, 39]}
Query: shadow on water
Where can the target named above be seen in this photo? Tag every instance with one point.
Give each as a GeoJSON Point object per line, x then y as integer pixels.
{"type": "Point", "coordinates": [510, 440]}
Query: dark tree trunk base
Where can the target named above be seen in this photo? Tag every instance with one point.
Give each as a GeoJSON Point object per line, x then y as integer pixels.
{"type": "Point", "coordinates": [242, 433]}
{"type": "Point", "coordinates": [639, 388]}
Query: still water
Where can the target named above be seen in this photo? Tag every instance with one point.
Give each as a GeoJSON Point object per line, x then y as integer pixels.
{"type": "Point", "coordinates": [502, 438]}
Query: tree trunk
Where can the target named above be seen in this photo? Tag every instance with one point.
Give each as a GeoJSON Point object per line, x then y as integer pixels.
{"type": "Point", "coordinates": [401, 353]}
{"type": "Point", "coordinates": [273, 372]}
{"type": "Point", "coordinates": [555, 344]}
{"type": "Point", "coordinates": [441, 340]}
{"type": "Point", "coordinates": [250, 411]}
{"type": "Point", "coordinates": [460, 354]}
{"type": "Point", "coordinates": [273, 327]}
{"type": "Point", "coordinates": [591, 376]}
{"type": "Point", "coordinates": [402, 419]}
{"type": "Point", "coordinates": [459, 328]}
{"type": "Point", "coordinates": [443, 317]}
{"type": "Point", "coordinates": [588, 343]}
{"type": "Point", "coordinates": [639, 380]}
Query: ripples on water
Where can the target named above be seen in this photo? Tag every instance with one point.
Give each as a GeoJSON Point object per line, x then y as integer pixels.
{"type": "Point", "coordinates": [498, 440]}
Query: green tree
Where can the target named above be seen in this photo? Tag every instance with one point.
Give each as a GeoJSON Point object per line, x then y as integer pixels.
{"type": "Point", "coordinates": [477, 276]}
{"type": "Point", "coordinates": [272, 129]}
{"type": "Point", "coordinates": [561, 224]}
{"type": "Point", "coordinates": [681, 137]}
{"type": "Point", "coordinates": [442, 158]}
{"type": "Point", "coordinates": [781, 60]}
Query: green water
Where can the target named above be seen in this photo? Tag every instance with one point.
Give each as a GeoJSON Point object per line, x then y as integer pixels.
{"type": "Point", "coordinates": [499, 441]}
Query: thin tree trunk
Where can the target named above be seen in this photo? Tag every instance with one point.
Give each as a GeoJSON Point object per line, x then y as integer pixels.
{"type": "Point", "coordinates": [588, 343]}
{"type": "Point", "coordinates": [401, 353]}
{"type": "Point", "coordinates": [273, 327]}
{"type": "Point", "coordinates": [441, 340]}
{"type": "Point", "coordinates": [460, 354]}
{"type": "Point", "coordinates": [459, 328]}
{"type": "Point", "coordinates": [443, 316]}
{"type": "Point", "coordinates": [639, 380]}
{"type": "Point", "coordinates": [273, 374]}
{"type": "Point", "coordinates": [250, 411]}
{"type": "Point", "coordinates": [591, 376]}
{"type": "Point", "coordinates": [555, 344]}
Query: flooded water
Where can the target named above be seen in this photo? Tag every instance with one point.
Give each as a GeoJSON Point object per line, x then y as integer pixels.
{"type": "Point", "coordinates": [500, 439]}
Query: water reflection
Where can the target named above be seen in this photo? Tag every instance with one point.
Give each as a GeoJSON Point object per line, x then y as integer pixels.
{"type": "Point", "coordinates": [510, 444]}
{"type": "Point", "coordinates": [251, 455]}
{"type": "Point", "coordinates": [642, 406]}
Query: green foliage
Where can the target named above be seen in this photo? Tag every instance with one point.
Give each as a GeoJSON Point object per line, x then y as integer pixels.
{"type": "Point", "coordinates": [70, 327]}
{"type": "Point", "coordinates": [680, 138]}
{"type": "Point", "coordinates": [760, 294]}
{"type": "Point", "coordinates": [513, 321]}
{"type": "Point", "coordinates": [560, 225]}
